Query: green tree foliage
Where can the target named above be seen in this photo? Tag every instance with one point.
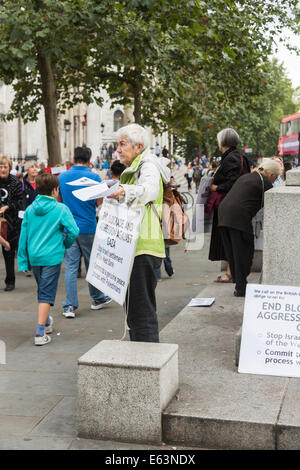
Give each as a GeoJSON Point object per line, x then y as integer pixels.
{"type": "Point", "coordinates": [257, 120]}
{"type": "Point", "coordinates": [183, 64]}
{"type": "Point", "coordinates": [43, 54]}
{"type": "Point", "coordinates": [259, 126]}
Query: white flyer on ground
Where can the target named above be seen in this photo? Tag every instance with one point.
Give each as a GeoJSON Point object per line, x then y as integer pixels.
{"type": "Point", "coordinates": [96, 191]}
{"type": "Point", "coordinates": [114, 249]}
{"type": "Point", "coordinates": [201, 302]}
{"type": "Point", "coordinates": [271, 331]}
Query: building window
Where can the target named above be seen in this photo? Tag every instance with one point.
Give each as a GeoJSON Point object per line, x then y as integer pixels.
{"type": "Point", "coordinates": [118, 120]}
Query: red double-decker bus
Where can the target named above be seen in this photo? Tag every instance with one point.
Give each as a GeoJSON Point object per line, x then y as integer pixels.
{"type": "Point", "coordinates": [289, 139]}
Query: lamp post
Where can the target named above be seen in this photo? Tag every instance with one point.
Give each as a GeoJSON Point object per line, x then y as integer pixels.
{"type": "Point", "coordinates": [67, 127]}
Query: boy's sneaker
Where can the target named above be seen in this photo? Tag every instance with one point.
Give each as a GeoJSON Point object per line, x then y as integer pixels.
{"type": "Point", "coordinates": [49, 328]}
{"type": "Point", "coordinates": [97, 304]}
{"type": "Point", "coordinates": [41, 340]}
{"type": "Point", "coordinates": [69, 312]}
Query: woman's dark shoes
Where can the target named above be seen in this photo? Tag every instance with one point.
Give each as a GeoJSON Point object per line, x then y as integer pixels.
{"type": "Point", "coordinates": [9, 287]}
{"type": "Point", "coordinates": [238, 294]}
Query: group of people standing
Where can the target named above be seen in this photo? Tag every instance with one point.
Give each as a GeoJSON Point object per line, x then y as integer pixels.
{"type": "Point", "coordinates": [236, 195]}
{"type": "Point", "coordinates": [56, 225]}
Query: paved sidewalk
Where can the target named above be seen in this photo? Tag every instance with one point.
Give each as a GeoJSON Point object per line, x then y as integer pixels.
{"type": "Point", "coordinates": [38, 386]}
{"type": "Point", "coordinates": [215, 408]}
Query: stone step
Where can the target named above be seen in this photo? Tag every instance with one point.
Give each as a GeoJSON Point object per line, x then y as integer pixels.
{"type": "Point", "coordinates": [217, 407]}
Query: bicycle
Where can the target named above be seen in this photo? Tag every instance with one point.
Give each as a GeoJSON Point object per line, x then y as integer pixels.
{"type": "Point", "coordinates": [187, 199]}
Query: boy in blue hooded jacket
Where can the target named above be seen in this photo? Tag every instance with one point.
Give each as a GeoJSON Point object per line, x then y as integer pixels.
{"type": "Point", "coordinates": [48, 228]}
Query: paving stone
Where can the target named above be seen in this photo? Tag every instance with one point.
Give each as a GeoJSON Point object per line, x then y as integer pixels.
{"type": "Point", "coordinates": [34, 443]}
{"type": "Point", "coordinates": [17, 425]}
{"type": "Point", "coordinates": [21, 404]}
{"type": "Point", "coordinates": [289, 419]}
{"type": "Point", "coordinates": [41, 383]}
{"type": "Point", "coordinates": [61, 421]}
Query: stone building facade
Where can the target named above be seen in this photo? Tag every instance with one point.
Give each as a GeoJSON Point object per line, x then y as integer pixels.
{"type": "Point", "coordinates": [91, 125]}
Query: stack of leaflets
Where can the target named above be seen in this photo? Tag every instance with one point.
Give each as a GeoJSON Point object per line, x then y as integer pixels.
{"type": "Point", "coordinates": [92, 189]}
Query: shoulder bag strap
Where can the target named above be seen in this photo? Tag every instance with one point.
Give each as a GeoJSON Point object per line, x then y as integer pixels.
{"type": "Point", "coordinates": [242, 165]}
{"type": "Point", "coordinates": [155, 212]}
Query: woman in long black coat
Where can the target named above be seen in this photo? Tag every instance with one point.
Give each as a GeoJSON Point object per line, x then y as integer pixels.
{"type": "Point", "coordinates": [233, 165]}
{"type": "Point", "coordinates": [11, 202]}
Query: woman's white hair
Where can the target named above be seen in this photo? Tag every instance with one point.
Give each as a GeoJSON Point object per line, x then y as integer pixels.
{"type": "Point", "coordinates": [270, 166]}
{"type": "Point", "coordinates": [135, 134]}
{"type": "Point", "coordinates": [29, 164]}
{"type": "Point", "coordinates": [228, 138]}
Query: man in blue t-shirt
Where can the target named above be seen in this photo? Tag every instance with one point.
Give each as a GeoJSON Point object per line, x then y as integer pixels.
{"type": "Point", "coordinates": [84, 213]}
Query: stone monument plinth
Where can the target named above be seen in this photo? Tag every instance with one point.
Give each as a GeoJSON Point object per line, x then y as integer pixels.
{"type": "Point", "coordinates": [123, 387]}
{"type": "Point", "coordinates": [281, 255]}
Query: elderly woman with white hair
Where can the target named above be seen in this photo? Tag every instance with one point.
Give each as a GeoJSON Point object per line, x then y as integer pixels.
{"type": "Point", "coordinates": [236, 212]}
{"type": "Point", "coordinates": [29, 182]}
{"type": "Point", "coordinates": [233, 165]}
{"type": "Point", "coordinates": [142, 183]}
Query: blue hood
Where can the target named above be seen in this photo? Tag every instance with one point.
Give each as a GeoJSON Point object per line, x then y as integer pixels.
{"type": "Point", "coordinates": [43, 204]}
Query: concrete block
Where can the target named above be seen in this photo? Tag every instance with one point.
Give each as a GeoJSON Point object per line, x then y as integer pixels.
{"type": "Point", "coordinates": [293, 177]}
{"type": "Point", "coordinates": [217, 433]}
{"type": "Point", "coordinates": [123, 387]}
{"type": "Point", "coordinates": [281, 255]}
{"type": "Point", "coordinates": [288, 425]}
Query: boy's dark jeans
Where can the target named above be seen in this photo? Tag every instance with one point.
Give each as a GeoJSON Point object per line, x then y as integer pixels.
{"type": "Point", "coordinates": [142, 316]}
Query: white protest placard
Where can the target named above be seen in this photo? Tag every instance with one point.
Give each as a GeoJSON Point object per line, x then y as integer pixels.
{"type": "Point", "coordinates": [114, 249]}
{"type": "Point", "coordinates": [271, 331]}
{"type": "Point", "coordinates": [56, 170]}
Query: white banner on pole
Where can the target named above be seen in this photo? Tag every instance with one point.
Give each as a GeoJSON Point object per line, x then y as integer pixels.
{"type": "Point", "coordinates": [271, 331]}
{"type": "Point", "coordinates": [114, 249]}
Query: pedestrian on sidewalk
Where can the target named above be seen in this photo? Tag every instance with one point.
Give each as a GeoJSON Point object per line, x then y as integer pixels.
{"type": "Point", "coordinates": [157, 149]}
{"type": "Point", "coordinates": [236, 212]}
{"type": "Point", "coordinates": [141, 183]}
{"type": "Point", "coordinates": [11, 202]}
{"type": "Point", "coordinates": [117, 169]}
{"type": "Point", "coordinates": [197, 175]}
{"type": "Point", "coordinates": [48, 228]}
{"type": "Point", "coordinates": [165, 152]}
{"type": "Point", "coordinates": [189, 176]}
{"type": "Point", "coordinates": [233, 164]}
{"type": "Point", "coordinates": [84, 213]}
{"type": "Point", "coordinates": [29, 189]}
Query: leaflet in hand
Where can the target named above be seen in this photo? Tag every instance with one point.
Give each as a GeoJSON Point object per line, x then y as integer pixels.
{"type": "Point", "coordinates": [96, 191]}
{"type": "Point", "coordinates": [199, 302]}
{"type": "Point", "coordinates": [84, 181]}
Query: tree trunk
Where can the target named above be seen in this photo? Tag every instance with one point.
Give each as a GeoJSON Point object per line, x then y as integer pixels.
{"type": "Point", "coordinates": [137, 105]}
{"type": "Point", "coordinates": [50, 107]}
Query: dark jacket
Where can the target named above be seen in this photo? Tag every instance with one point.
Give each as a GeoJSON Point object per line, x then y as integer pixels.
{"type": "Point", "coordinates": [243, 202]}
{"type": "Point", "coordinates": [11, 196]}
{"type": "Point", "coordinates": [29, 193]}
{"type": "Point", "coordinates": [230, 169]}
